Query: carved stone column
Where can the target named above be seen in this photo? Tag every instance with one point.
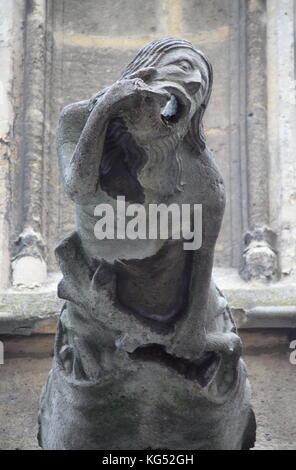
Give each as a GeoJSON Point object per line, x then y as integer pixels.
{"type": "Point", "coordinates": [259, 260]}
{"type": "Point", "coordinates": [5, 123]}
{"type": "Point", "coordinates": [281, 128]}
{"type": "Point", "coordinates": [10, 49]}
{"type": "Point", "coordinates": [28, 263]}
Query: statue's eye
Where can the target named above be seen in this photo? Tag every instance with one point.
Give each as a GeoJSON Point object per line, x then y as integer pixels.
{"type": "Point", "coordinates": [185, 65]}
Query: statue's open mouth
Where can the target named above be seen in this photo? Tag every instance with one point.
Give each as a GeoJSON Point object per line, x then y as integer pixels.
{"type": "Point", "coordinates": [201, 369]}
{"type": "Point", "coordinates": [172, 111]}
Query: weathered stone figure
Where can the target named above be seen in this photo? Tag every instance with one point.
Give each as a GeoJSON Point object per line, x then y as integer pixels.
{"type": "Point", "coordinates": [146, 354]}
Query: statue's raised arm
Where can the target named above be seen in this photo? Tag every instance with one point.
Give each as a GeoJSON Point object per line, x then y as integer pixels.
{"type": "Point", "coordinates": [82, 132]}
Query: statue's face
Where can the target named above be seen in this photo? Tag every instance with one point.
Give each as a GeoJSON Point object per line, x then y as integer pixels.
{"type": "Point", "coordinates": [180, 68]}
{"type": "Point", "coordinates": [177, 75]}
{"type": "Point", "coordinates": [151, 125]}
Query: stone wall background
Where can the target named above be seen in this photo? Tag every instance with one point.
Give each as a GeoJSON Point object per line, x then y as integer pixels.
{"type": "Point", "coordinates": [59, 51]}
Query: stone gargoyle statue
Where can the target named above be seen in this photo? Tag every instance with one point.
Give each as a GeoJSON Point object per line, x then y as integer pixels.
{"type": "Point", "coordinates": [147, 354]}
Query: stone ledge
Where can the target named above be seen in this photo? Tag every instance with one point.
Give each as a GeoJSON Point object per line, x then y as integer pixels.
{"type": "Point", "coordinates": [254, 305]}
{"type": "Point", "coordinates": [36, 346]}
{"type": "Point", "coordinates": [30, 311]}
{"type": "Point", "coordinates": [259, 341]}
{"type": "Point", "coordinates": [258, 305]}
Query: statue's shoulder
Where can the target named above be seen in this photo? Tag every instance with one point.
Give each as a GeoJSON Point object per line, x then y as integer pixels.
{"type": "Point", "coordinates": [72, 120]}
{"type": "Point", "coordinates": [78, 110]}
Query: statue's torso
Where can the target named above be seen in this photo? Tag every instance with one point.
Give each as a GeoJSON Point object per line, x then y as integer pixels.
{"type": "Point", "coordinates": [146, 267]}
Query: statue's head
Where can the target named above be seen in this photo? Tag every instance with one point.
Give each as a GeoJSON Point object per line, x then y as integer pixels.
{"type": "Point", "coordinates": [174, 86]}
{"type": "Point", "coordinates": [176, 66]}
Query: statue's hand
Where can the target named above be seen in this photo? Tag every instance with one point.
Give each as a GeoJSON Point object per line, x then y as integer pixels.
{"type": "Point", "coordinates": [131, 93]}
{"type": "Point", "coordinates": [126, 87]}
{"type": "Point", "coordinates": [147, 74]}
{"type": "Point", "coordinates": [140, 77]}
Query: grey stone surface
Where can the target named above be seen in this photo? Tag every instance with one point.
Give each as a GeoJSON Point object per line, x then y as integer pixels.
{"type": "Point", "coordinates": [200, 15]}
{"type": "Point", "coordinates": [77, 59]}
{"type": "Point", "coordinates": [273, 385]}
{"type": "Point", "coordinates": [280, 21]}
{"type": "Point", "coordinates": [256, 113]}
{"type": "Point", "coordinates": [26, 218]}
{"type": "Point", "coordinates": [119, 17]}
{"type": "Point", "coordinates": [146, 342]}
{"type": "Point", "coordinates": [9, 40]}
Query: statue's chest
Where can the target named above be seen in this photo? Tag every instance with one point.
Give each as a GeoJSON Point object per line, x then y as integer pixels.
{"type": "Point", "coordinates": [156, 287]}
{"type": "Point", "coordinates": [201, 184]}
